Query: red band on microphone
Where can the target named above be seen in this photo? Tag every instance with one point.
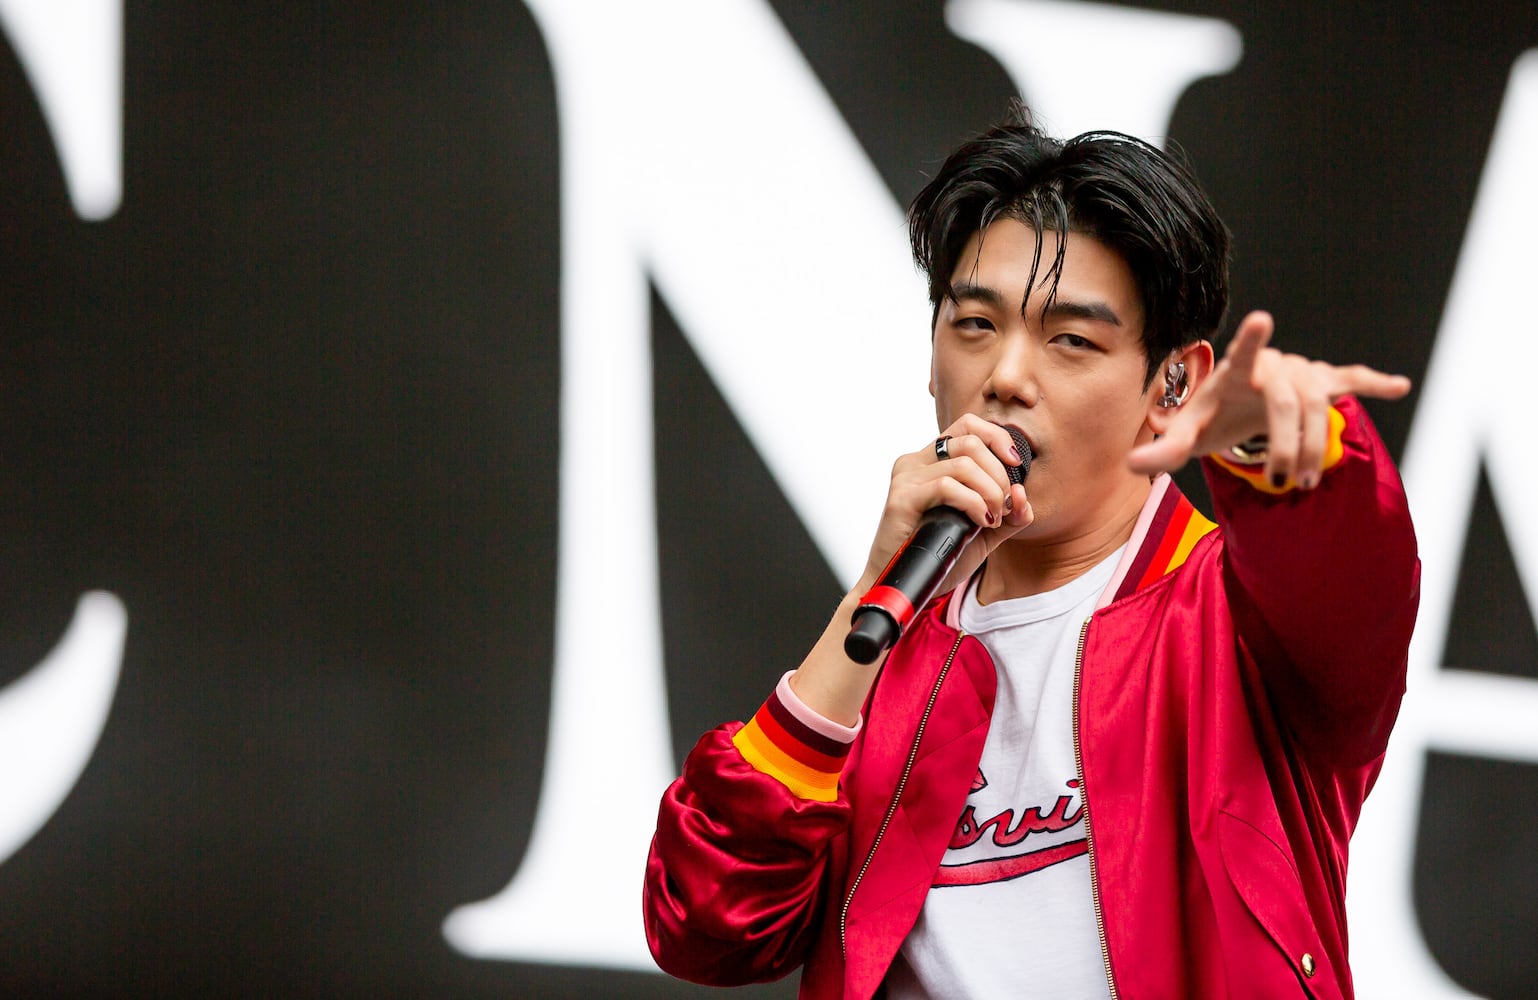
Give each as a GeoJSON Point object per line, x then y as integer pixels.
{"type": "Point", "coordinates": [890, 600]}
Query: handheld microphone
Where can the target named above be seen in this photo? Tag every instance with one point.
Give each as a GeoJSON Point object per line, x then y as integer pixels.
{"type": "Point", "coordinates": [916, 571]}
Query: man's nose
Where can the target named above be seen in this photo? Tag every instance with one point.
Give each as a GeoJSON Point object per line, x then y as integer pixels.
{"type": "Point", "coordinates": [1016, 369]}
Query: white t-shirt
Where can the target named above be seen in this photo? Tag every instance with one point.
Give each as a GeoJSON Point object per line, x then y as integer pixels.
{"type": "Point", "coordinates": [1011, 911]}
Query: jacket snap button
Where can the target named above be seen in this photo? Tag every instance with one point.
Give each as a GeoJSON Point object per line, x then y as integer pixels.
{"type": "Point", "coordinates": [1308, 965]}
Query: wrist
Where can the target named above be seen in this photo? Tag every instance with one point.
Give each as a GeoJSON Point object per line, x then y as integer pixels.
{"type": "Point", "coordinates": [861, 587]}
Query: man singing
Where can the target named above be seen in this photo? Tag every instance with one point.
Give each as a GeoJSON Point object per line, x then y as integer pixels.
{"type": "Point", "coordinates": [1123, 752]}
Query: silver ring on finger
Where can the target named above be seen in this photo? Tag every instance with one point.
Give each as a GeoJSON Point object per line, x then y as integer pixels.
{"type": "Point", "coordinates": [942, 447]}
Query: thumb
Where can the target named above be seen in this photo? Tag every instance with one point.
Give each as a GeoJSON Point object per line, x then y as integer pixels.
{"type": "Point", "coordinates": [1166, 454]}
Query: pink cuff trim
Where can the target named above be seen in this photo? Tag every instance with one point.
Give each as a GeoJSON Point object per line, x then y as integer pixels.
{"type": "Point", "coordinates": [810, 719]}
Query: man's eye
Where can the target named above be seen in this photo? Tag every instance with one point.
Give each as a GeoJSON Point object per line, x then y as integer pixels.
{"type": "Point", "coordinates": [974, 323]}
{"type": "Point", "coordinates": [1072, 340]}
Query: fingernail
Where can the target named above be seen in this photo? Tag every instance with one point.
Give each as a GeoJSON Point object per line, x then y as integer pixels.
{"type": "Point", "coordinates": [1277, 479]}
{"type": "Point", "coordinates": [1009, 504]}
{"type": "Point", "coordinates": [991, 518]}
{"type": "Point", "coordinates": [1014, 453]}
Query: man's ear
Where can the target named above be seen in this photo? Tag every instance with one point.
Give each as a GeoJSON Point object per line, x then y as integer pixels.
{"type": "Point", "coordinates": [931, 365]}
{"type": "Point", "coordinates": [934, 328]}
{"type": "Point", "coordinates": [1174, 385]}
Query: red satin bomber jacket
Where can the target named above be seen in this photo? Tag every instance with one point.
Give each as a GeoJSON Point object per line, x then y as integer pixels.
{"type": "Point", "coordinates": [1236, 691]}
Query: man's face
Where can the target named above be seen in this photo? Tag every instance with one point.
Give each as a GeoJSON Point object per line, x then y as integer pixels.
{"type": "Point", "coordinates": [1072, 382]}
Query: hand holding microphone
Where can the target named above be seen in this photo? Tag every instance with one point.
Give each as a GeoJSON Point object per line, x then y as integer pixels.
{"type": "Point", "coordinates": [919, 566]}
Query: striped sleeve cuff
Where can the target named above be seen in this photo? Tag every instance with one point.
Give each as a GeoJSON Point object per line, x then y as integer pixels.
{"type": "Point", "coordinates": [794, 745]}
{"type": "Point", "coordinates": [1255, 475]}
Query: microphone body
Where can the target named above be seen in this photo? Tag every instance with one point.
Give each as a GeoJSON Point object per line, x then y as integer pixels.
{"type": "Point", "coordinates": [915, 572]}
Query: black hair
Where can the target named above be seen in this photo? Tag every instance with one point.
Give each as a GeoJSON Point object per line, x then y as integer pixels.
{"type": "Point", "coordinates": [1137, 200]}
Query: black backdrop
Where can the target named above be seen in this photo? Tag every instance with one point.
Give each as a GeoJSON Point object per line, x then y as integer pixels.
{"type": "Point", "coordinates": [295, 403]}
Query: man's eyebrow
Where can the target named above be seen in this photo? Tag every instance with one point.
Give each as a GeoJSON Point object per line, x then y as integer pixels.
{"type": "Point", "coordinates": [1060, 309]}
{"type": "Point", "coordinates": [977, 293]}
{"type": "Point", "coordinates": [1097, 311]}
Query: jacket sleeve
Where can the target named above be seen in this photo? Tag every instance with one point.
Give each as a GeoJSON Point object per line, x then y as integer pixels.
{"type": "Point", "coordinates": [1324, 586]}
{"type": "Point", "coordinates": [738, 866]}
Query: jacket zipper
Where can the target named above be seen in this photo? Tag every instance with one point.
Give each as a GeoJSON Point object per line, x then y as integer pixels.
{"type": "Point", "coordinates": [891, 809]}
{"type": "Point", "coordinates": [1089, 835]}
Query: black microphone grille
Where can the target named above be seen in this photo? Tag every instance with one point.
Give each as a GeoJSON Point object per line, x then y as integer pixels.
{"type": "Point", "coordinates": [1017, 473]}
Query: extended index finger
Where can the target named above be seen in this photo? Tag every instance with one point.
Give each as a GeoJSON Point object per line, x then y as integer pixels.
{"type": "Point", "coordinates": [1360, 380]}
{"type": "Point", "coordinates": [1167, 453]}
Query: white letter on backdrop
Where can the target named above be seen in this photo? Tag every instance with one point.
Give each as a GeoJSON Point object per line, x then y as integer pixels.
{"type": "Point", "coordinates": [72, 51]}
{"type": "Point", "coordinates": [722, 173]}
{"type": "Point", "coordinates": [1473, 406]}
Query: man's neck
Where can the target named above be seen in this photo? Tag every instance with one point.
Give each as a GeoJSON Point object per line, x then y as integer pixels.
{"type": "Point", "coordinates": [1022, 567]}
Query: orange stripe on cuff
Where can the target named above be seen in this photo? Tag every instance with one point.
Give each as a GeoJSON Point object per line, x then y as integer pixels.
{"type": "Point", "coordinates": [1335, 448]}
{"type": "Point", "coordinates": [759, 751]}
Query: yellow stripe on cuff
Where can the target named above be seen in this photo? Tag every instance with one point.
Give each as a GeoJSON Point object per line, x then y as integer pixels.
{"type": "Point", "coordinates": [759, 751]}
{"type": "Point", "coordinates": [782, 760]}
